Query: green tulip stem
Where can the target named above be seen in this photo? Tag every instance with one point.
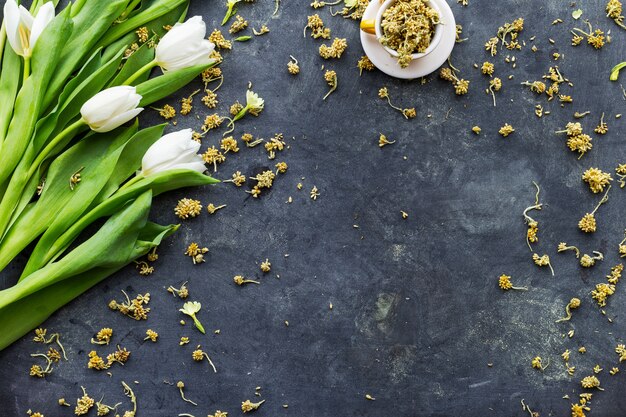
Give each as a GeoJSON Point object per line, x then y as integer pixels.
{"type": "Point", "coordinates": [129, 9]}
{"type": "Point", "coordinates": [140, 72]}
{"type": "Point", "coordinates": [26, 73]}
{"type": "Point", "coordinates": [71, 129]}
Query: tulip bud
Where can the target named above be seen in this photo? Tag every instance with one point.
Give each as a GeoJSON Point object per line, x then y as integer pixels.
{"type": "Point", "coordinates": [184, 46]}
{"type": "Point", "coordinates": [23, 29]}
{"type": "Point", "coordinates": [111, 108]}
{"type": "Point", "coordinates": [173, 151]}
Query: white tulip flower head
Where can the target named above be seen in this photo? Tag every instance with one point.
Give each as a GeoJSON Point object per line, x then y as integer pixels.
{"type": "Point", "coordinates": [173, 151]}
{"type": "Point", "coordinates": [23, 30]}
{"type": "Point", "coordinates": [184, 46]}
{"type": "Point", "coordinates": [111, 108]}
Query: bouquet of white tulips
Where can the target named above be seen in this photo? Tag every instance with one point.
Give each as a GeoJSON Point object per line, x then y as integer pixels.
{"type": "Point", "coordinates": [70, 152]}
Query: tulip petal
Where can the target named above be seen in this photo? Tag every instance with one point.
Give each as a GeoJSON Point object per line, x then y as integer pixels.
{"type": "Point", "coordinates": [26, 18]}
{"type": "Point", "coordinates": [173, 151]}
{"type": "Point", "coordinates": [12, 21]}
{"type": "Point", "coordinates": [184, 46]}
{"type": "Point", "coordinates": [104, 107]}
{"type": "Point", "coordinates": [43, 18]}
{"type": "Point", "coordinates": [118, 120]}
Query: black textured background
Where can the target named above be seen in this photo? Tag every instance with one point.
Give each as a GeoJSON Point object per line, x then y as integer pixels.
{"type": "Point", "coordinates": [417, 311]}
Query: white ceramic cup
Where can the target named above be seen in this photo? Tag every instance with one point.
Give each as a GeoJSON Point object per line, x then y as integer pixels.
{"type": "Point", "coordinates": [378, 31]}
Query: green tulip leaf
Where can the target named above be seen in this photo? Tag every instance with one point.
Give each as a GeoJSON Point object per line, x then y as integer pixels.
{"type": "Point", "coordinates": [22, 316]}
{"type": "Point", "coordinates": [162, 86]}
{"type": "Point", "coordinates": [28, 104]}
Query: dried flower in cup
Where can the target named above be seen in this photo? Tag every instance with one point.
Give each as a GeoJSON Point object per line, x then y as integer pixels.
{"type": "Point", "coordinates": [408, 27]}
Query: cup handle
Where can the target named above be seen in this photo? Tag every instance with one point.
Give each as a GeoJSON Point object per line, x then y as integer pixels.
{"type": "Point", "coordinates": [368, 26]}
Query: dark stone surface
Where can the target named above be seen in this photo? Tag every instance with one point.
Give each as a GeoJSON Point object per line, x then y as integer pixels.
{"type": "Point", "coordinates": [417, 312]}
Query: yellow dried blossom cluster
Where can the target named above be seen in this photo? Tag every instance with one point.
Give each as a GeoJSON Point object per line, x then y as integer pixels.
{"type": "Point", "coordinates": [213, 156]}
{"type": "Point", "coordinates": [354, 9]}
{"type": "Point", "coordinates": [408, 27]}
{"type": "Point", "coordinates": [504, 282]}
{"type": "Point", "coordinates": [621, 174]}
{"type": "Point", "coordinates": [275, 144]}
{"type": "Point", "coordinates": [167, 112]}
{"type": "Point", "coordinates": [461, 86]}
{"type": "Point", "coordinates": [103, 337]}
{"type": "Point", "coordinates": [229, 144]}
{"type": "Point", "coordinates": [211, 74]}
{"type": "Point", "coordinates": [238, 179]}
{"type": "Point", "coordinates": [602, 127]}
{"type": "Point", "coordinates": [264, 180]}
{"type": "Point", "coordinates": [219, 40]}
{"type": "Point", "coordinates": [510, 30]}
{"type": "Point", "coordinates": [597, 179]}
{"type": "Point", "coordinates": [238, 25]}
{"type": "Point", "coordinates": [212, 121]}
{"type": "Point", "coordinates": [407, 113]}
{"type": "Point", "coordinates": [537, 363]}
{"type": "Point", "coordinates": [151, 335]}
{"type": "Point", "coordinates": [615, 274]}
{"type": "Point", "coordinates": [97, 363]}
{"type": "Point", "coordinates": [506, 130]}
{"type": "Point", "coordinates": [614, 11]}
{"type": "Point", "coordinates": [605, 290]}
{"type": "Point", "coordinates": [595, 37]}
{"type": "Point", "coordinates": [365, 64]}
{"type": "Point", "coordinates": [602, 292]}
{"type": "Point", "coordinates": [248, 406]}
{"type": "Point", "coordinates": [573, 304]}
{"type": "Point", "coordinates": [590, 382]}
{"type": "Point", "coordinates": [187, 208]}
{"type": "Point", "coordinates": [577, 140]}
{"type": "Point", "coordinates": [333, 50]}
{"type": "Point", "coordinates": [487, 68]}
{"type": "Point", "coordinates": [84, 404]}
{"type": "Point", "coordinates": [621, 351]}
{"type": "Point", "coordinates": [538, 87]}
{"type": "Point", "coordinates": [293, 67]}
{"type": "Point", "coordinates": [587, 261]}
{"type": "Point", "coordinates": [266, 266]}
{"type": "Point", "coordinates": [543, 260]}
{"type": "Point", "coordinates": [316, 24]}
{"type": "Point", "coordinates": [210, 99]}
{"type": "Point", "coordinates": [196, 253]}
{"type": "Point", "coordinates": [133, 308]}
{"type": "Point", "coordinates": [588, 223]}
{"type": "Point", "coordinates": [330, 77]}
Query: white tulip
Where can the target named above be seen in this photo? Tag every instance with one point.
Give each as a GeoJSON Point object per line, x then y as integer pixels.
{"type": "Point", "coordinates": [111, 108]}
{"type": "Point", "coordinates": [173, 151]}
{"type": "Point", "coordinates": [184, 46]}
{"type": "Point", "coordinates": [23, 29]}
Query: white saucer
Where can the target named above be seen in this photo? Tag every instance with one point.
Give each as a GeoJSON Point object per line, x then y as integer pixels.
{"type": "Point", "coordinates": [418, 67]}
